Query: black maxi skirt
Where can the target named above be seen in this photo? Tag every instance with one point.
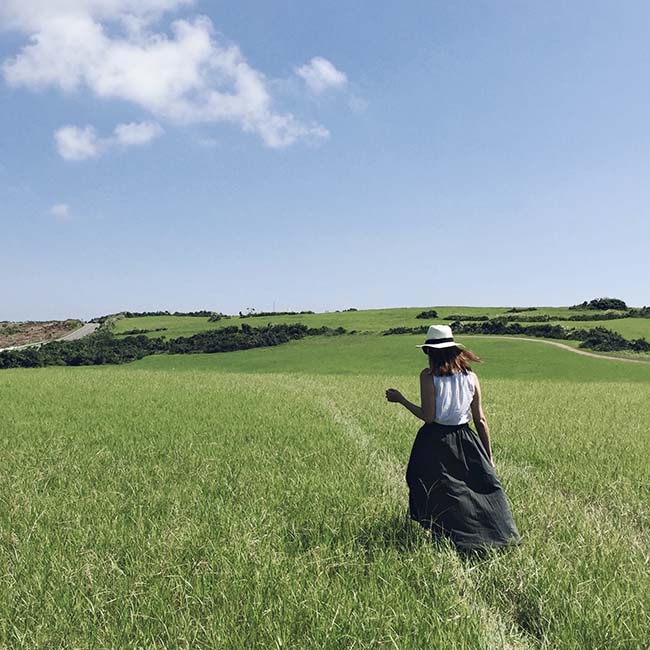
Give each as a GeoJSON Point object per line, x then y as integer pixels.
{"type": "Point", "coordinates": [454, 490]}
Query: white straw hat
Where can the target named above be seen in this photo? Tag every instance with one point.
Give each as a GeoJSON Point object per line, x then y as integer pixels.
{"type": "Point", "coordinates": [440, 336]}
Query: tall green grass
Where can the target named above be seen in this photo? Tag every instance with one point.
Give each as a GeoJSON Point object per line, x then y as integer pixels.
{"type": "Point", "coordinates": [160, 509]}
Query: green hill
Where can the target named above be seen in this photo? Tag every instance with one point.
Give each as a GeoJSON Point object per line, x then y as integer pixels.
{"type": "Point", "coordinates": [374, 320]}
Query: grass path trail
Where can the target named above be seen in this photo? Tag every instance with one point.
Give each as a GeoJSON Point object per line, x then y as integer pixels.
{"type": "Point", "coordinates": [557, 345]}
{"type": "Point", "coordinates": [501, 631]}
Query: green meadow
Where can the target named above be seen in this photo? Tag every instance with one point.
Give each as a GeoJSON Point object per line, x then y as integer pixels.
{"type": "Point", "coordinates": [256, 499]}
{"type": "Point", "coordinates": [372, 320]}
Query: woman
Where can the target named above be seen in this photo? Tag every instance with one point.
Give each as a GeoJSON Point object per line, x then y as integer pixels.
{"type": "Point", "coordinates": [453, 488]}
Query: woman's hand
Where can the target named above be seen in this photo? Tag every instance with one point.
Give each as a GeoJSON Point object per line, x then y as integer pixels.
{"type": "Point", "coordinates": [393, 395]}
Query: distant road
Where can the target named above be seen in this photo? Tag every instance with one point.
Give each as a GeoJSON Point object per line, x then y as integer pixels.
{"type": "Point", "coordinates": [84, 330]}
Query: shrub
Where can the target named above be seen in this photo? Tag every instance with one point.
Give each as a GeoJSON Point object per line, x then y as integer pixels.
{"type": "Point", "coordinates": [640, 345]}
{"type": "Point", "coordinates": [604, 340]}
{"type": "Point", "coordinates": [642, 312]}
{"type": "Point", "coordinates": [601, 304]}
{"type": "Point", "coordinates": [405, 330]}
{"type": "Point", "coordinates": [216, 316]}
{"type": "Point", "coordinates": [428, 314]}
{"type": "Point", "coordinates": [142, 331]}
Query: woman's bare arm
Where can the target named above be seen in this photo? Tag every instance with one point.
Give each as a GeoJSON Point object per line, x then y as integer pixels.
{"type": "Point", "coordinates": [427, 396]}
{"type": "Point", "coordinates": [480, 421]}
{"type": "Point", "coordinates": [393, 395]}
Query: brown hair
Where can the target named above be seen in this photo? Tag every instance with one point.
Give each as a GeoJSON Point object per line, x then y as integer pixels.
{"type": "Point", "coordinates": [447, 361]}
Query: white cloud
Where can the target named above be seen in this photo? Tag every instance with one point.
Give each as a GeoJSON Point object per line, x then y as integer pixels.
{"type": "Point", "coordinates": [76, 143]}
{"type": "Point", "coordinates": [187, 76]}
{"type": "Point", "coordinates": [320, 75]}
{"type": "Point", "coordinates": [32, 15]}
{"type": "Point", "coordinates": [135, 133]}
{"type": "Point", "coordinates": [61, 211]}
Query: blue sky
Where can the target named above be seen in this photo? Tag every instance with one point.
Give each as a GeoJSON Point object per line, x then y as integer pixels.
{"type": "Point", "coordinates": [321, 155]}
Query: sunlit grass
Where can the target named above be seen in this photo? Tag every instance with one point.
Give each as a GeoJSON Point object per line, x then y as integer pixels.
{"type": "Point", "coordinates": [372, 354]}
{"type": "Point", "coordinates": [160, 509]}
{"type": "Point", "coordinates": [371, 320]}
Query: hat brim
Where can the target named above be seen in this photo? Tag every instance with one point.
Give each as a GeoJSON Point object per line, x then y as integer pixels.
{"type": "Point", "coordinates": [449, 344]}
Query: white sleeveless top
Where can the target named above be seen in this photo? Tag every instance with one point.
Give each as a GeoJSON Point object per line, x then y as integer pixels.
{"type": "Point", "coordinates": [454, 394]}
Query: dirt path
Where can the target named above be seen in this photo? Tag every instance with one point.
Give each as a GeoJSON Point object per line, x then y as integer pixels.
{"type": "Point", "coordinates": [584, 353]}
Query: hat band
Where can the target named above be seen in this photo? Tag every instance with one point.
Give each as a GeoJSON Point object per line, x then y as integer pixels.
{"type": "Point", "coordinates": [447, 340]}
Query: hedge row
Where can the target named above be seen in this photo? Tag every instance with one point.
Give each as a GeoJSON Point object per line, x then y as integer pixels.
{"type": "Point", "coordinates": [255, 314]}
{"type": "Point", "coordinates": [204, 313]}
{"type": "Point", "coordinates": [597, 338]}
{"type": "Point", "coordinates": [643, 312]}
{"type": "Point", "coordinates": [104, 348]}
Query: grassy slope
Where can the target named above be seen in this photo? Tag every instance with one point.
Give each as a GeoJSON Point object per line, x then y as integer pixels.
{"type": "Point", "coordinates": [209, 510]}
{"type": "Point", "coordinates": [374, 320]}
{"type": "Point", "coordinates": [257, 499]}
{"type": "Point", "coordinates": [397, 355]}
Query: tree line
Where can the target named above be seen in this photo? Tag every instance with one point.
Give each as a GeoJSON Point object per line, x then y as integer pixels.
{"type": "Point", "coordinates": [254, 314]}
{"type": "Point", "coordinates": [596, 338]}
{"type": "Point", "coordinates": [105, 348]}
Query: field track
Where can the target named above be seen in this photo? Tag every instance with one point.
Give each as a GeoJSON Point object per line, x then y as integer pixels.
{"type": "Point", "coordinates": [500, 630]}
{"type": "Point", "coordinates": [558, 345]}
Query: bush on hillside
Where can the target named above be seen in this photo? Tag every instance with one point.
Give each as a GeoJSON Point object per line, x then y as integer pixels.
{"type": "Point", "coordinates": [142, 331]}
{"type": "Point", "coordinates": [405, 330]}
{"type": "Point", "coordinates": [640, 345]}
{"type": "Point", "coordinates": [216, 316]}
{"type": "Point", "coordinates": [428, 314]}
{"type": "Point", "coordinates": [601, 304]}
{"type": "Point", "coordinates": [641, 312]}
{"type": "Point", "coordinates": [604, 340]}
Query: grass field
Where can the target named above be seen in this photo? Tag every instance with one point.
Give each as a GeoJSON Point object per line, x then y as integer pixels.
{"type": "Point", "coordinates": [369, 354]}
{"type": "Point", "coordinates": [256, 499]}
{"type": "Point", "coordinates": [373, 320]}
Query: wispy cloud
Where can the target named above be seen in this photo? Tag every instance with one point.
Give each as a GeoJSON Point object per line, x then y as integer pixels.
{"type": "Point", "coordinates": [187, 75]}
{"type": "Point", "coordinates": [320, 75]}
{"type": "Point", "coordinates": [136, 133]}
{"type": "Point", "coordinates": [61, 212]}
{"type": "Point", "coordinates": [81, 143]}
{"type": "Point", "coordinates": [74, 143]}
